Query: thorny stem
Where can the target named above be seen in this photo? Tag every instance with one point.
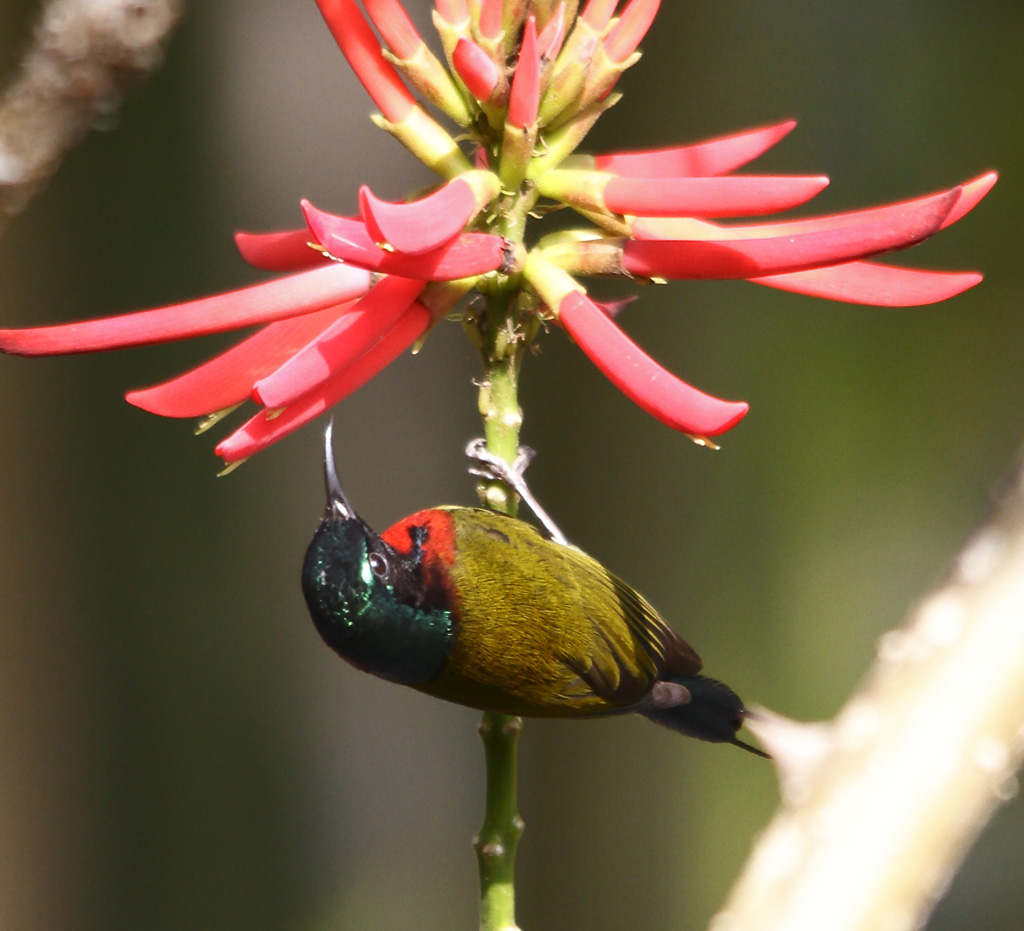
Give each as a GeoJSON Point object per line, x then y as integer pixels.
{"type": "Point", "coordinates": [499, 835]}
{"type": "Point", "coordinates": [502, 334]}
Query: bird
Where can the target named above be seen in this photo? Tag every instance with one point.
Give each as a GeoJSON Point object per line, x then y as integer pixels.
{"type": "Point", "coordinates": [488, 611]}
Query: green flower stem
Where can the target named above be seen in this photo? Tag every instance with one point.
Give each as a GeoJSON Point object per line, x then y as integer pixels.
{"type": "Point", "coordinates": [499, 393]}
{"type": "Point", "coordinates": [502, 340]}
{"type": "Point", "coordinates": [496, 843]}
{"type": "Point", "coordinates": [502, 330]}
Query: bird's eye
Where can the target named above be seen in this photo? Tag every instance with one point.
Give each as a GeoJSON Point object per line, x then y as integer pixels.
{"type": "Point", "coordinates": [378, 565]}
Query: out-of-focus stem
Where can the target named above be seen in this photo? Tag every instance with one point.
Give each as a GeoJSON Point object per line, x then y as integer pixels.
{"type": "Point", "coordinates": [84, 57]}
{"type": "Point", "coordinates": [881, 805]}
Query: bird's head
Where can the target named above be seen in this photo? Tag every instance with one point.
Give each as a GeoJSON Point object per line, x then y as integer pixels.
{"type": "Point", "coordinates": [347, 561]}
{"type": "Point", "coordinates": [365, 597]}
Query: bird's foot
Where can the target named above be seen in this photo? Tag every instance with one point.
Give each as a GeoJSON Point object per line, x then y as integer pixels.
{"type": "Point", "coordinates": [489, 467]}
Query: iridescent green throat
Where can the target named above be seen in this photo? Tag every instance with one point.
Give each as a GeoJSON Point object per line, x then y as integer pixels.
{"type": "Point", "coordinates": [367, 602]}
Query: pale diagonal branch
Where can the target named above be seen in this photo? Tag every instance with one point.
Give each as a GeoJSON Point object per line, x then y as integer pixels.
{"type": "Point", "coordinates": [881, 805]}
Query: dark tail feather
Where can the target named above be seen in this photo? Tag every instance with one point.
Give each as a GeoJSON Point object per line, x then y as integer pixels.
{"type": "Point", "coordinates": [699, 707]}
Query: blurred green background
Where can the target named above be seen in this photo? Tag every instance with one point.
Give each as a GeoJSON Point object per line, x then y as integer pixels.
{"type": "Point", "coordinates": [177, 748]}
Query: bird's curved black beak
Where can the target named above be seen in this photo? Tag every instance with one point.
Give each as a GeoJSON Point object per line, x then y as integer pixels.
{"type": "Point", "coordinates": [337, 504]}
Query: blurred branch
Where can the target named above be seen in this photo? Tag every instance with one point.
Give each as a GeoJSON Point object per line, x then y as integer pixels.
{"type": "Point", "coordinates": [85, 55]}
{"type": "Point", "coordinates": [881, 805]}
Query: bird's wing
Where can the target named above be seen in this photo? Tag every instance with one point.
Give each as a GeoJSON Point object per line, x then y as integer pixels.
{"type": "Point", "coordinates": [674, 653]}
{"type": "Point", "coordinates": [630, 646]}
{"type": "Point", "coordinates": [550, 627]}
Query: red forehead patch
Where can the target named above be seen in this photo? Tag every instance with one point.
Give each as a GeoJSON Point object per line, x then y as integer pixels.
{"type": "Point", "coordinates": [439, 543]}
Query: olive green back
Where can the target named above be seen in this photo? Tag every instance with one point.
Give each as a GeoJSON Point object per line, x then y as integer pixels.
{"type": "Point", "coordinates": [545, 630]}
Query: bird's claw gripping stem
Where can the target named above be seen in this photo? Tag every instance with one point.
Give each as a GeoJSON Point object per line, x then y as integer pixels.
{"type": "Point", "coordinates": [493, 468]}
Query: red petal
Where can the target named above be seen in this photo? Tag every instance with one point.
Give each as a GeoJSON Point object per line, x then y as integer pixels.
{"type": "Point", "coordinates": [360, 47]}
{"type": "Point", "coordinates": [703, 159]}
{"type": "Point", "coordinates": [340, 345]}
{"type": "Point", "coordinates": [261, 303]}
{"type": "Point", "coordinates": [788, 252]}
{"type": "Point", "coordinates": [969, 195]}
{"type": "Point", "coordinates": [630, 30]}
{"type": "Point", "coordinates": [598, 14]}
{"type": "Point", "coordinates": [490, 18]}
{"type": "Point", "coordinates": [465, 256]}
{"type": "Point", "coordinates": [732, 196]}
{"type": "Point", "coordinates": [422, 225]}
{"type": "Point", "coordinates": [478, 72]}
{"type": "Point", "coordinates": [227, 379]}
{"type": "Point", "coordinates": [885, 285]}
{"type": "Point", "coordinates": [261, 431]}
{"type": "Point", "coordinates": [524, 97]}
{"type": "Point", "coordinates": [395, 26]}
{"type": "Point", "coordinates": [614, 308]}
{"type": "Point", "coordinates": [672, 401]}
{"type": "Point", "coordinates": [879, 285]}
{"type": "Point", "coordinates": [553, 34]}
{"type": "Point", "coordinates": [452, 12]}
{"type": "Point", "coordinates": [279, 252]}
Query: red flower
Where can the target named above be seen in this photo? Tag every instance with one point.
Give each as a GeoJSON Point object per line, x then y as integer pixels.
{"type": "Point", "coordinates": [364, 289]}
{"type": "Point", "coordinates": [329, 329]}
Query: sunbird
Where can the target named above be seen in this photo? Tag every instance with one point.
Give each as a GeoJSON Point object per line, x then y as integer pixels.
{"type": "Point", "coordinates": [485, 610]}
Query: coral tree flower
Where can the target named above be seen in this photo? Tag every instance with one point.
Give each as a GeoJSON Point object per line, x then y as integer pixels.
{"type": "Point", "coordinates": [523, 81]}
